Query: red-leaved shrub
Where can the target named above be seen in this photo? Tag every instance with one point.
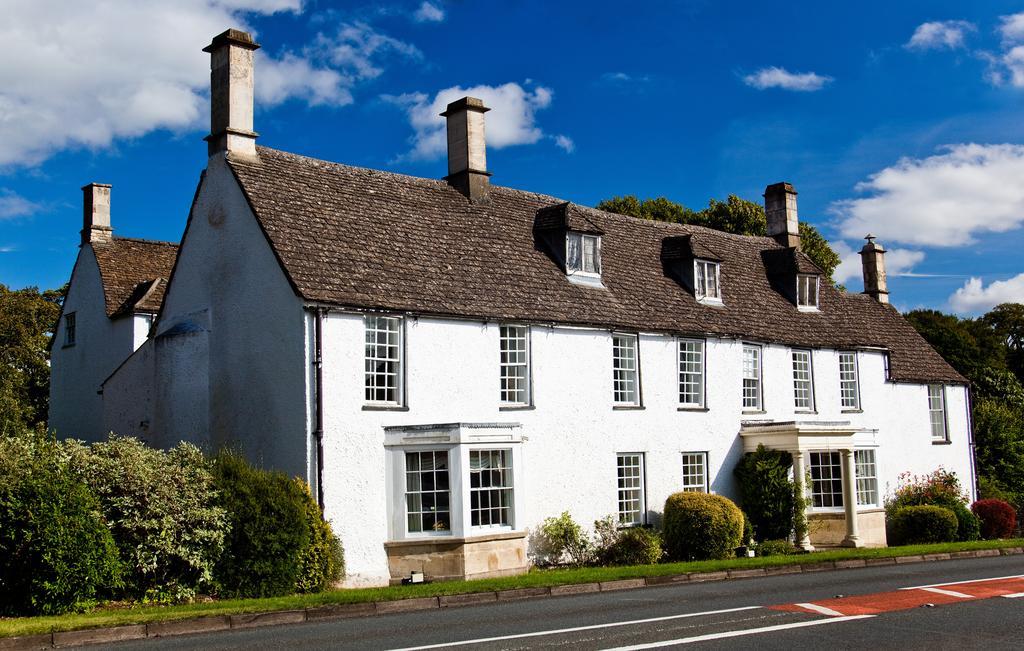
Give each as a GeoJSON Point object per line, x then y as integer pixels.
{"type": "Point", "coordinates": [998, 519]}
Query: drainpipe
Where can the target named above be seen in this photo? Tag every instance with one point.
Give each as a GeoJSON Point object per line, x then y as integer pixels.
{"type": "Point", "coordinates": [318, 432]}
{"type": "Point", "coordinates": [970, 442]}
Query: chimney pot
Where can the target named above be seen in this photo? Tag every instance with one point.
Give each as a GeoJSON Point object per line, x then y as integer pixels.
{"type": "Point", "coordinates": [231, 93]}
{"type": "Point", "coordinates": [780, 209]}
{"type": "Point", "coordinates": [467, 149]}
{"type": "Point", "coordinates": [96, 213]}
{"type": "Point", "coordinates": [872, 259]}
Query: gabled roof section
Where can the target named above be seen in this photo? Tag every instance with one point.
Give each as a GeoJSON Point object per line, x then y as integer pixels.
{"type": "Point", "coordinates": [566, 216]}
{"type": "Point", "coordinates": [134, 273]}
{"type": "Point", "coordinates": [368, 239]}
{"type": "Point", "coordinates": [789, 261]}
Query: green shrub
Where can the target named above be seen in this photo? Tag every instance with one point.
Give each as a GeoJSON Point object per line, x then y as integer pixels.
{"type": "Point", "coordinates": [56, 553]}
{"type": "Point", "coordinates": [630, 546]}
{"type": "Point", "coordinates": [323, 562]}
{"type": "Point", "coordinates": [161, 509]}
{"type": "Point", "coordinates": [766, 492]}
{"type": "Point", "coordinates": [560, 540]}
{"type": "Point", "coordinates": [269, 532]}
{"type": "Point", "coordinates": [911, 525]}
{"type": "Point", "coordinates": [699, 526]}
{"type": "Point", "coordinates": [938, 488]}
{"type": "Point", "coordinates": [775, 548]}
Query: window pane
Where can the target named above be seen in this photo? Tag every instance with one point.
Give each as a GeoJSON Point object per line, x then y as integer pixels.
{"type": "Point", "coordinates": [867, 477]}
{"type": "Point", "coordinates": [631, 489]}
{"type": "Point", "coordinates": [826, 480]}
{"type": "Point", "coordinates": [515, 365]}
{"type": "Point", "coordinates": [383, 359]}
{"type": "Point", "coordinates": [426, 491]}
{"type": "Point", "coordinates": [937, 411]}
{"type": "Point", "coordinates": [803, 381]}
{"type": "Point", "coordinates": [848, 389]}
{"type": "Point", "coordinates": [691, 372]}
{"type": "Point", "coordinates": [705, 279]}
{"type": "Point", "coordinates": [573, 254]}
{"type": "Point", "coordinates": [490, 493]}
{"type": "Point", "coordinates": [624, 370]}
{"type": "Point", "coordinates": [695, 472]}
{"type": "Point", "coordinates": [591, 263]}
{"type": "Point", "coordinates": [751, 377]}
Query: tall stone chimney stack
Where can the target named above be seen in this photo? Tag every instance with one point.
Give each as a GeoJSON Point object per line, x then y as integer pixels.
{"type": "Point", "coordinates": [467, 149]}
{"type": "Point", "coordinates": [96, 213]}
{"type": "Point", "coordinates": [780, 208]}
{"type": "Point", "coordinates": [231, 93]}
{"type": "Point", "coordinates": [872, 259]}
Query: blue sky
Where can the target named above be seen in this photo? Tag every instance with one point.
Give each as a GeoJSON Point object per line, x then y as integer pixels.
{"type": "Point", "coordinates": [899, 118]}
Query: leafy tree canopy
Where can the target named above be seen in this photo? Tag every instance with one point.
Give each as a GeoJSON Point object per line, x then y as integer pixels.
{"type": "Point", "coordinates": [734, 215]}
{"type": "Point", "coordinates": [27, 319]}
{"type": "Point", "coordinates": [970, 346]}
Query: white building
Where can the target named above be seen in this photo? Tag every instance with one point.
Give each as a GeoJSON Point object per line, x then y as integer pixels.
{"type": "Point", "coordinates": [450, 362]}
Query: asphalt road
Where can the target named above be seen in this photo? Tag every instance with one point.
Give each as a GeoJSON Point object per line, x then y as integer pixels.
{"type": "Point", "coordinates": [729, 614]}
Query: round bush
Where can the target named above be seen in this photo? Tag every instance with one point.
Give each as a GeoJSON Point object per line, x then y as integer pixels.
{"type": "Point", "coordinates": [968, 525]}
{"type": "Point", "coordinates": [269, 533]}
{"type": "Point", "coordinates": [56, 553]}
{"type": "Point", "coordinates": [922, 524]}
{"type": "Point", "coordinates": [998, 519]}
{"type": "Point", "coordinates": [699, 526]}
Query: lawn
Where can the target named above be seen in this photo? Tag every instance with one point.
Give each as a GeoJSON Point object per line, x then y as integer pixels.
{"type": "Point", "coordinates": [103, 617]}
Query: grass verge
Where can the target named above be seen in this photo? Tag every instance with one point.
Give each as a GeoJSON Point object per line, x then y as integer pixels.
{"type": "Point", "coordinates": [535, 579]}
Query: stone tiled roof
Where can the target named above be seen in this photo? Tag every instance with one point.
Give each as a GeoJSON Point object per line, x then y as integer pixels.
{"type": "Point", "coordinates": [369, 239]}
{"type": "Point", "coordinates": [134, 273]}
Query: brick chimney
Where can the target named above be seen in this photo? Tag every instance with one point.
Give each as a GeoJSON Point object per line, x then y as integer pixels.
{"type": "Point", "coordinates": [467, 149]}
{"type": "Point", "coordinates": [872, 259]}
{"type": "Point", "coordinates": [780, 208]}
{"type": "Point", "coordinates": [96, 213]}
{"type": "Point", "coordinates": [231, 93]}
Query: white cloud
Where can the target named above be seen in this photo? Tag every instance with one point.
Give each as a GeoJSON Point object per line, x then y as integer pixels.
{"type": "Point", "coordinates": [428, 13]}
{"type": "Point", "coordinates": [85, 74]}
{"type": "Point", "coordinates": [14, 205]}
{"type": "Point", "coordinates": [775, 77]}
{"type": "Point", "coordinates": [566, 143]}
{"type": "Point", "coordinates": [1007, 65]}
{"type": "Point", "coordinates": [974, 297]}
{"type": "Point", "coordinates": [898, 262]}
{"type": "Point", "coordinates": [941, 200]}
{"type": "Point", "coordinates": [511, 120]}
{"type": "Point", "coordinates": [1012, 28]}
{"type": "Point", "coordinates": [938, 35]}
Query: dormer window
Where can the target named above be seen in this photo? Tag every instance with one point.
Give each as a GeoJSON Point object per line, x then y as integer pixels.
{"type": "Point", "coordinates": [807, 291]}
{"type": "Point", "coordinates": [706, 281]}
{"type": "Point", "coordinates": [582, 254]}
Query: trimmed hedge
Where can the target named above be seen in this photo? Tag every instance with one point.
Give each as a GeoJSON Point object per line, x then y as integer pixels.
{"type": "Point", "coordinates": [775, 548]}
{"type": "Point", "coordinates": [56, 553]}
{"type": "Point", "coordinates": [998, 519]}
{"type": "Point", "coordinates": [699, 526]}
{"type": "Point", "coordinates": [913, 525]}
{"type": "Point", "coordinates": [634, 546]}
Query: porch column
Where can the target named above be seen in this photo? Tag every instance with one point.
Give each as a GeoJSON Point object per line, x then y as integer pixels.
{"type": "Point", "coordinates": [850, 499]}
{"type": "Point", "coordinates": [799, 475]}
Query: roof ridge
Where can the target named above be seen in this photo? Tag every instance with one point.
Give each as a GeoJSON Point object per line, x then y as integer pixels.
{"type": "Point", "coordinates": [142, 240]}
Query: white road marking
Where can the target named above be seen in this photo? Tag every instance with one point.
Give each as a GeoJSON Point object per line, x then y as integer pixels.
{"type": "Point", "coordinates": [942, 585]}
{"type": "Point", "coordinates": [1015, 595]}
{"type": "Point", "coordinates": [949, 593]}
{"type": "Point", "coordinates": [483, 640]}
{"type": "Point", "coordinates": [821, 609]}
{"type": "Point", "coordinates": [739, 633]}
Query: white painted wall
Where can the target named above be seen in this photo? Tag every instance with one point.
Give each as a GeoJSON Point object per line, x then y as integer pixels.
{"type": "Point", "coordinates": [573, 434]}
{"type": "Point", "coordinates": [234, 373]}
{"type": "Point", "coordinates": [101, 344]}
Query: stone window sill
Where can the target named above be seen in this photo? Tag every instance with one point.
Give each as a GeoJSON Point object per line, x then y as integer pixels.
{"type": "Point", "coordinates": [627, 407]}
{"type": "Point", "coordinates": [516, 408]}
{"type": "Point", "coordinates": [385, 408]}
{"type": "Point", "coordinates": [692, 409]}
{"type": "Point", "coordinates": [942, 443]}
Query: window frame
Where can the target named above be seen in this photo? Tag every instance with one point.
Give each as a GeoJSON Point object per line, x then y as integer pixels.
{"type": "Point", "coordinates": [812, 408]}
{"type": "Point", "coordinates": [503, 365]}
{"type": "Point", "coordinates": [759, 395]}
{"type": "Point", "coordinates": [583, 238]}
{"type": "Point", "coordinates": [705, 485]}
{"type": "Point", "coordinates": [803, 302]}
{"type": "Point", "coordinates": [855, 370]}
{"type": "Point", "coordinates": [702, 391]}
{"type": "Point", "coordinates": [637, 400]}
{"type": "Point", "coordinates": [70, 329]}
{"type": "Point", "coordinates": [507, 470]}
{"type": "Point", "coordinates": [942, 410]}
{"type": "Point", "coordinates": [837, 499]}
{"type": "Point", "coordinates": [640, 489]}
{"type": "Point", "coordinates": [858, 464]}
{"type": "Point", "coordinates": [700, 289]}
{"type": "Point", "coordinates": [406, 492]}
{"type": "Point", "coordinates": [399, 374]}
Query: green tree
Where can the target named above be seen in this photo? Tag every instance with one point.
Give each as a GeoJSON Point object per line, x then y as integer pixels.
{"type": "Point", "coordinates": [968, 345]}
{"type": "Point", "coordinates": [1007, 321]}
{"type": "Point", "coordinates": [999, 445]}
{"type": "Point", "coordinates": [734, 215]}
{"type": "Point", "coordinates": [27, 320]}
